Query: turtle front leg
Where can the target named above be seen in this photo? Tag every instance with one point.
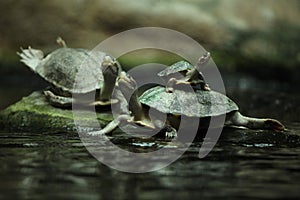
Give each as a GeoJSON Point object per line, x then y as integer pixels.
{"type": "Point", "coordinates": [170, 132]}
{"type": "Point", "coordinates": [173, 81]}
{"type": "Point", "coordinates": [107, 129]}
{"type": "Point", "coordinates": [196, 78]}
{"type": "Point", "coordinates": [200, 81]}
{"type": "Point", "coordinates": [112, 125]}
{"type": "Point", "coordinates": [58, 101]}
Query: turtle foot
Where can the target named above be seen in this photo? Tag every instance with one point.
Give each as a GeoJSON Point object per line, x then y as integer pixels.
{"type": "Point", "coordinates": [58, 101]}
{"type": "Point", "coordinates": [170, 132]}
{"type": "Point", "coordinates": [31, 57]}
{"type": "Point", "coordinates": [205, 87]}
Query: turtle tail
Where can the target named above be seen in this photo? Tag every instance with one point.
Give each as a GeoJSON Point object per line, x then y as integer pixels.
{"type": "Point", "coordinates": [31, 57]}
{"type": "Point", "coordinates": [255, 123]}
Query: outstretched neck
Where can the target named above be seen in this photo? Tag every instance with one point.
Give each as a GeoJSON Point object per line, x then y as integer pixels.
{"type": "Point", "coordinates": [256, 123]}
{"type": "Point", "coordinates": [136, 107]}
{"type": "Point", "coordinates": [195, 73]}
{"type": "Point", "coordinates": [108, 86]}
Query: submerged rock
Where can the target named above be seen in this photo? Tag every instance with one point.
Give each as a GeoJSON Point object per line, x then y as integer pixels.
{"type": "Point", "coordinates": [34, 114]}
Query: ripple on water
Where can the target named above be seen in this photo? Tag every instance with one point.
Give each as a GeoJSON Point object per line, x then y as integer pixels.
{"type": "Point", "coordinates": [244, 163]}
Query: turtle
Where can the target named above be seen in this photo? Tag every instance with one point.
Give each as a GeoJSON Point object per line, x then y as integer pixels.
{"type": "Point", "coordinates": [185, 73]}
{"type": "Point", "coordinates": [178, 103]}
{"type": "Point", "coordinates": [60, 68]}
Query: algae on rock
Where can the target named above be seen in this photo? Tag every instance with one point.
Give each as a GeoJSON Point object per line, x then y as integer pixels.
{"type": "Point", "coordinates": [34, 114]}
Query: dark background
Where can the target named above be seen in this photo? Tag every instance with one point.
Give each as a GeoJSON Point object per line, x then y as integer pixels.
{"type": "Point", "coordinates": [259, 39]}
{"type": "Point", "coordinates": [255, 45]}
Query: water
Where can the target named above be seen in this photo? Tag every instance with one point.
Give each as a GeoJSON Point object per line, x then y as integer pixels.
{"type": "Point", "coordinates": [245, 164]}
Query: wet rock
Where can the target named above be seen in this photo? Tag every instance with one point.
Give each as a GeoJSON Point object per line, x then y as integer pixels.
{"type": "Point", "coordinates": [34, 114]}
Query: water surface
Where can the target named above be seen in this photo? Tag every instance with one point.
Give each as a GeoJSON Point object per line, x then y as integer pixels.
{"type": "Point", "coordinates": [245, 164]}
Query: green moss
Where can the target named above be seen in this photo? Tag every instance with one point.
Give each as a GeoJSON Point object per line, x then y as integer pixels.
{"type": "Point", "coordinates": [34, 114]}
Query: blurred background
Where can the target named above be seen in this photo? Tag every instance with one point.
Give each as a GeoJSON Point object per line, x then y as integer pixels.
{"type": "Point", "coordinates": [254, 43]}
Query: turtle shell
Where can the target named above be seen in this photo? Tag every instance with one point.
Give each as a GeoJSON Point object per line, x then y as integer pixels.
{"type": "Point", "coordinates": [192, 104]}
{"type": "Point", "coordinates": [66, 66]}
{"type": "Point", "coordinates": [178, 67]}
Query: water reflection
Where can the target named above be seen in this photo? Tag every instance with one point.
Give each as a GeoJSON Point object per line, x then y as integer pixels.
{"type": "Point", "coordinates": [243, 164]}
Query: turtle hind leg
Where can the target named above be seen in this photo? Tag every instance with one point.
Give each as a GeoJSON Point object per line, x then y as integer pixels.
{"type": "Point", "coordinates": [167, 132]}
{"type": "Point", "coordinates": [31, 57]}
{"type": "Point", "coordinates": [171, 132]}
{"type": "Point", "coordinates": [58, 101]}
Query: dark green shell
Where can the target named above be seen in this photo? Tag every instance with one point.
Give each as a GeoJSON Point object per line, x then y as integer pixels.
{"type": "Point", "coordinates": [64, 66]}
{"type": "Point", "coordinates": [192, 104]}
{"type": "Point", "coordinates": [175, 68]}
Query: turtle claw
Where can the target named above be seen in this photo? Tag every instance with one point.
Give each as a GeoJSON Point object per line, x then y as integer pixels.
{"type": "Point", "coordinates": [206, 87]}
{"type": "Point", "coordinates": [169, 89]}
{"type": "Point", "coordinates": [170, 132]}
{"type": "Point", "coordinates": [24, 53]}
{"type": "Point", "coordinates": [30, 57]}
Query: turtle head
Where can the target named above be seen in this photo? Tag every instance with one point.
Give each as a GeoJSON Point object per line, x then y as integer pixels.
{"type": "Point", "coordinates": [273, 125]}
{"type": "Point", "coordinates": [126, 84]}
{"type": "Point", "coordinates": [110, 66]}
{"type": "Point", "coordinates": [203, 59]}
{"type": "Point", "coordinates": [170, 85]}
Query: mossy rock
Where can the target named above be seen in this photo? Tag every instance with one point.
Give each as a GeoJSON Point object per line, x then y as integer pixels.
{"type": "Point", "coordinates": [34, 114]}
